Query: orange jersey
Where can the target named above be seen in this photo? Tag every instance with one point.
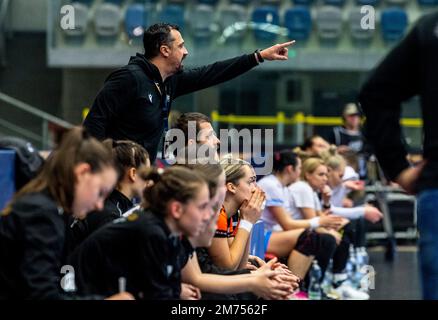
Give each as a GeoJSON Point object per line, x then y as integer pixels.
{"type": "Point", "coordinates": [226, 227]}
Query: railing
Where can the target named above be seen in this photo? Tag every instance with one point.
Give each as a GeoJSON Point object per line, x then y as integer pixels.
{"type": "Point", "coordinates": [43, 139]}
{"type": "Point", "coordinates": [298, 120]}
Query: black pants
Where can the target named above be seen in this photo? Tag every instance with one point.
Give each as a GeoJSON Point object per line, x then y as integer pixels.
{"type": "Point", "coordinates": [322, 246]}
{"type": "Point", "coordinates": [342, 252]}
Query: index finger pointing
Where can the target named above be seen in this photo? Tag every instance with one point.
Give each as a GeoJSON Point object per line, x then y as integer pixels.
{"type": "Point", "coordinates": [287, 44]}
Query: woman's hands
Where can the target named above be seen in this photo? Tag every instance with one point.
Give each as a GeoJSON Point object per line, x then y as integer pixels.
{"type": "Point", "coordinates": [251, 210]}
{"type": "Point", "coordinates": [189, 292]}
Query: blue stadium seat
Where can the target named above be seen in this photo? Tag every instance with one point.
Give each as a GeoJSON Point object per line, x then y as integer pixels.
{"type": "Point", "coordinates": [303, 2]}
{"type": "Point", "coordinates": [174, 14]}
{"type": "Point", "coordinates": [7, 176]}
{"type": "Point", "coordinates": [135, 20]}
{"type": "Point", "coordinates": [264, 17]}
{"type": "Point", "coordinates": [298, 21]}
{"type": "Point", "coordinates": [428, 2]}
{"type": "Point", "coordinates": [257, 241]}
{"type": "Point", "coordinates": [338, 3]}
{"type": "Point", "coordinates": [394, 22]}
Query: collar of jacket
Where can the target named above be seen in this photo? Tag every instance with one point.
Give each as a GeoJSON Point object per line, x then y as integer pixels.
{"type": "Point", "coordinates": [149, 68]}
{"type": "Point", "coordinates": [120, 201]}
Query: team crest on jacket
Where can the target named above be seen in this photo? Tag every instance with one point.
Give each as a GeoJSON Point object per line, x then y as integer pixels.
{"type": "Point", "coordinates": [150, 97]}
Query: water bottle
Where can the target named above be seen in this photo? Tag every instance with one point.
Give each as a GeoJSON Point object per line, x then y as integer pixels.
{"type": "Point", "coordinates": [365, 257]}
{"type": "Point", "coordinates": [352, 267]}
{"type": "Point", "coordinates": [363, 270]}
{"type": "Point", "coordinates": [315, 278]}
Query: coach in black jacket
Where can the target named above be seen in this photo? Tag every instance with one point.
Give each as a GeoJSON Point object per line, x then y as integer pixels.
{"type": "Point", "coordinates": [135, 101]}
{"type": "Point", "coordinates": [410, 69]}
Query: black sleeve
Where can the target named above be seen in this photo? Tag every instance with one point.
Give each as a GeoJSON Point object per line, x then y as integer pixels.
{"type": "Point", "coordinates": [119, 90]}
{"type": "Point", "coordinates": [207, 76]}
{"type": "Point", "coordinates": [395, 80]}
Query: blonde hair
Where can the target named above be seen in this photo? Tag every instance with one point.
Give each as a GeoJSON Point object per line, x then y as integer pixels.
{"type": "Point", "coordinates": [310, 165]}
{"type": "Point", "coordinates": [332, 159]}
{"type": "Point", "coordinates": [233, 168]}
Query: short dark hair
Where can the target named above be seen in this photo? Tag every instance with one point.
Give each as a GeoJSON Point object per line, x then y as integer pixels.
{"type": "Point", "coordinates": [308, 143]}
{"type": "Point", "coordinates": [182, 122]}
{"type": "Point", "coordinates": [284, 158]}
{"type": "Point", "coordinates": [155, 36]}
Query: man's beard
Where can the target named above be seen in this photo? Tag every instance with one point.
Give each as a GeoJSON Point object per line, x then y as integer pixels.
{"type": "Point", "coordinates": [180, 69]}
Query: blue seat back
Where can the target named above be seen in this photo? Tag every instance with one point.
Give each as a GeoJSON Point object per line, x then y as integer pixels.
{"type": "Point", "coordinates": [394, 22]}
{"type": "Point", "coordinates": [7, 176]}
{"type": "Point", "coordinates": [298, 21]}
{"type": "Point", "coordinates": [265, 15]}
{"type": "Point", "coordinates": [136, 17]}
{"type": "Point", "coordinates": [257, 241]}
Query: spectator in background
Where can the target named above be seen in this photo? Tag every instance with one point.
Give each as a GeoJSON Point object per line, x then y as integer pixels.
{"type": "Point", "coordinates": [410, 69]}
{"type": "Point", "coordinates": [286, 237]}
{"type": "Point", "coordinates": [348, 137]}
{"type": "Point", "coordinates": [135, 102]}
{"type": "Point", "coordinates": [313, 146]}
{"type": "Point", "coordinates": [75, 179]}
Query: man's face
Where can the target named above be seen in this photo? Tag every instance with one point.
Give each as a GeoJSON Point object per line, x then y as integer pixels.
{"type": "Point", "coordinates": [352, 121]}
{"type": "Point", "coordinates": [206, 135]}
{"type": "Point", "coordinates": [178, 51]}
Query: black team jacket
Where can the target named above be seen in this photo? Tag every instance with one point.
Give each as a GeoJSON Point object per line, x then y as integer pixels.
{"type": "Point", "coordinates": [130, 106]}
{"type": "Point", "coordinates": [410, 69]}
{"type": "Point", "coordinates": [139, 248]}
{"type": "Point", "coordinates": [33, 250]}
{"type": "Point", "coordinates": [115, 205]}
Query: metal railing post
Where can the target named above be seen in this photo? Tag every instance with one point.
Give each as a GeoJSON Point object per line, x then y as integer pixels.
{"type": "Point", "coordinates": [280, 127]}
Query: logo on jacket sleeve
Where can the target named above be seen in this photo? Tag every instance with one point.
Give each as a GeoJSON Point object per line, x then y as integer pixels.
{"type": "Point", "coordinates": [150, 97]}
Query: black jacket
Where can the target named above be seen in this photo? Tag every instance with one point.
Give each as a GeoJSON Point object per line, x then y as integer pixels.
{"type": "Point", "coordinates": [32, 249]}
{"type": "Point", "coordinates": [410, 69]}
{"type": "Point", "coordinates": [139, 248]}
{"type": "Point", "coordinates": [115, 205]}
{"type": "Point", "coordinates": [129, 106]}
